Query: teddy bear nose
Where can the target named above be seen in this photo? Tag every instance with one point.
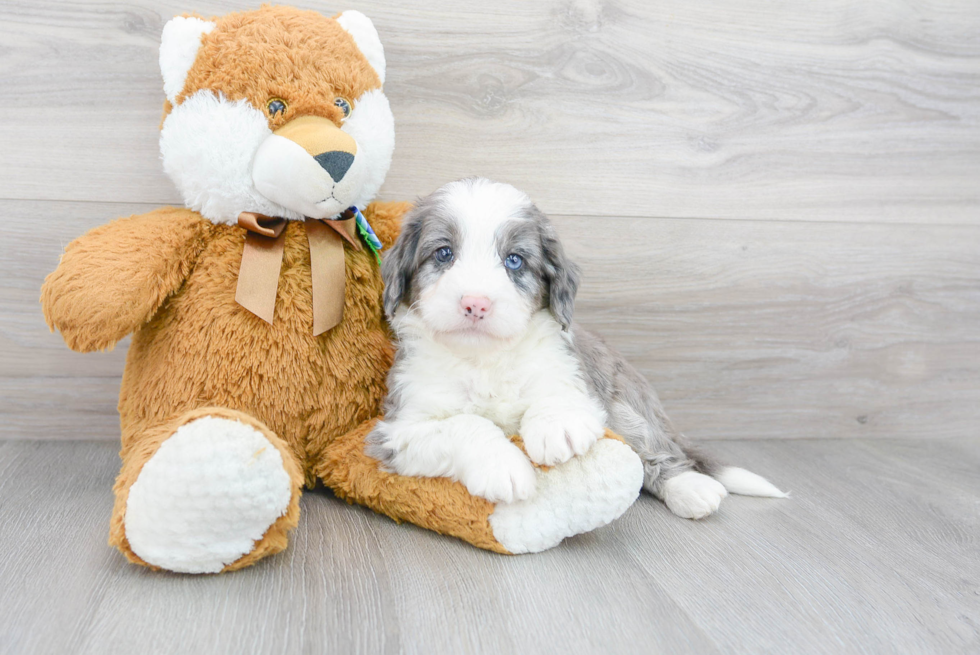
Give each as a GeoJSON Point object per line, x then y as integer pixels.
{"type": "Point", "coordinates": [333, 149]}
{"type": "Point", "coordinates": [336, 163]}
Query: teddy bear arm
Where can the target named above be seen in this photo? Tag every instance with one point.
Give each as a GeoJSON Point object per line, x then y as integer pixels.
{"type": "Point", "coordinates": [577, 496]}
{"type": "Point", "coordinates": [386, 220]}
{"type": "Point", "coordinates": [112, 279]}
{"type": "Point", "coordinates": [436, 504]}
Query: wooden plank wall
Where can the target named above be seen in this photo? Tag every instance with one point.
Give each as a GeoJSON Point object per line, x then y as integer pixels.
{"type": "Point", "coordinates": [776, 204]}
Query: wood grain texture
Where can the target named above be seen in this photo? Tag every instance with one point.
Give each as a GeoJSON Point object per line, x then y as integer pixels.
{"type": "Point", "coordinates": [837, 110]}
{"type": "Point", "coordinates": [748, 329]}
{"type": "Point", "coordinates": [876, 552]}
{"type": "Point", "coordinates": [779, 329]}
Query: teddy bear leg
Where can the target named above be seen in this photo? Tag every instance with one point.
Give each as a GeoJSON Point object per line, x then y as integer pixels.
{"type": "Point", "coordinates": [578, 496]}
{"type": "Point", "coordinates": [213, 490]}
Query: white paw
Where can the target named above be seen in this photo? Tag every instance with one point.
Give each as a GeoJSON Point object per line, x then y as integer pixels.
{"type": "Point", "coordinates": [206, 496]}
{"type": "Point", "coordinates": [552, 437]}
{"type": "Point", "coordinates": [501, 474]}
{"type": "Point", "coordinates": [692, 495]}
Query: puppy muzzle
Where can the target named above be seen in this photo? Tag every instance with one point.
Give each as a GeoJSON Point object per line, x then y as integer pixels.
{"type": "Point", "coordinates": [310, 166]}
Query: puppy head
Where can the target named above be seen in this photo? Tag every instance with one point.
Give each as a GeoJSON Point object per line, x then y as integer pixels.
{"type": "Point", "coordinates": [475, 260]}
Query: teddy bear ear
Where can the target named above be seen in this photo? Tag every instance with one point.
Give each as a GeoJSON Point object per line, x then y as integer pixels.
{"type": "Point", "coordinates": [366, 37]}
{"type": "Point", "coordinates": [178, 49]}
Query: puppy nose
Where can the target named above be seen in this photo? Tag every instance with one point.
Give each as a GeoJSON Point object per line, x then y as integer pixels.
{"type": "Point", "coordinates": [336, 163]}
{"type": "Point", "coordinates": [475, 307]}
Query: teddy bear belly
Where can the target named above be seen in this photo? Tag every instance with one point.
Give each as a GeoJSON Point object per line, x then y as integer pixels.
{"type": "Point", "coordinates": [202, 349]}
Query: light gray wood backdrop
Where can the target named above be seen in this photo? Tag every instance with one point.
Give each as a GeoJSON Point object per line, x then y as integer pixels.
{"type": "Point", "coordinates": [776, 204]}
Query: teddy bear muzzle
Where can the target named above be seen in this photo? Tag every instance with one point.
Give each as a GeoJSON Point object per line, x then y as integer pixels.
{"type": "Point", "coordinates": [310, 166]}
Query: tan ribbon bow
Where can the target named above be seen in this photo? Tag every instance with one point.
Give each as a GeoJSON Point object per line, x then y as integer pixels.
{"type": "Point", "coordinates": [258, 277]}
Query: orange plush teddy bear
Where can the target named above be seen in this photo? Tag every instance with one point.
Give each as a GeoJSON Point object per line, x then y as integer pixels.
{"type": "Point", "coordinates": [260, 348]}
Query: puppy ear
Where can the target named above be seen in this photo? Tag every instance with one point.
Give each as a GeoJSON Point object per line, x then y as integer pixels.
{"type": "Point", "coordinates": [562, 275]}
{"type": "Point", "coordinates": [399, 263]}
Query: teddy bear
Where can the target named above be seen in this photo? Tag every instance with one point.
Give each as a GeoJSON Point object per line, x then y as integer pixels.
{"type": "Point", "coordinates": [259, 346]}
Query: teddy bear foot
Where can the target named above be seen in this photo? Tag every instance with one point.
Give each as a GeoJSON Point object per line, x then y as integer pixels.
{"type": "Point", "coordinates": [583, 494]}
{"type": "Point", "coordinates": [206, 497]}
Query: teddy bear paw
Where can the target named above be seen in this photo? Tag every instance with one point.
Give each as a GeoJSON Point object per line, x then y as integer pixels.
{"type": "Point", "coordinates": [208, 494]}
{"type": "Point", "coordinates": [583, 494]}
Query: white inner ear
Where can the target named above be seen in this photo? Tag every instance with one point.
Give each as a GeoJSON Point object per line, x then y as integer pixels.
{"type": "Point", "coordinates": [366, 37]}
{"type": "Point", "coordinates": [178, 48]}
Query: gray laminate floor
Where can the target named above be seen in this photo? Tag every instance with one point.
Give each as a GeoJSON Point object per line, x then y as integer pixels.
{"type": "Point", "coordinates": [878, 551]}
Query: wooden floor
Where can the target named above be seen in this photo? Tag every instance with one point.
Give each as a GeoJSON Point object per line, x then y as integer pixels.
{"type": "Point", "coordinates": [878, 551]}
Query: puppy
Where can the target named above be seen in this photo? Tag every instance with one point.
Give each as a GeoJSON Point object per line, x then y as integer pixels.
{"type": "Point", "coordinates": [480, 295]}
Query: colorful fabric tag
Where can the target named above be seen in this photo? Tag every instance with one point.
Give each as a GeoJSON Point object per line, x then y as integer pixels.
{"type": "Point", "coordinates": [370, 238]}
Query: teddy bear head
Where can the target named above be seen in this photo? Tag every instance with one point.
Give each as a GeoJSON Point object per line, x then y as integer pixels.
{"type": "Point", "coordinates": [276, 111]}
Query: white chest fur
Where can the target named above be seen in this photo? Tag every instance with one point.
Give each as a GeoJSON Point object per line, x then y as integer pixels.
{"type": "Point", "coordinates": [435, 381]}
{"type": "Point", "coordinates": [454, 407]}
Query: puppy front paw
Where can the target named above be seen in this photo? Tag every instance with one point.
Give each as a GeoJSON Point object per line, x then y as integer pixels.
{"type": "Point", "coordinates": [693, 495]}
{"type": "Point", "coordinates": [554, 436]}
{"type": "Point", "coordinates": [501, 474]}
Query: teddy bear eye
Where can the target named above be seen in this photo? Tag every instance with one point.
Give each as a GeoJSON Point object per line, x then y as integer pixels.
{"type": "Point", "coordinates": [344, 105]}
{"type": "Point", "coordinates": [276, 106]}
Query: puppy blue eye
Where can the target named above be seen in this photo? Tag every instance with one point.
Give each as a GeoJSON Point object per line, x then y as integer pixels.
{"type": "Point", "coordinates": [514, 262]}
{"type": "Point", "coordinates": [444, 255]}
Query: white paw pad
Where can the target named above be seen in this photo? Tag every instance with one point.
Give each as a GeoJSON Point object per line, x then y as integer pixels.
{"type": "Point", "coordinates": [206, 496]}
{"type": "Point", "coordinates": [693, 495]}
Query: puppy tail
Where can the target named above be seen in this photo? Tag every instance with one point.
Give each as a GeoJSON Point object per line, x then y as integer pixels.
{"type": "Point", "coordinates": [746, 483]}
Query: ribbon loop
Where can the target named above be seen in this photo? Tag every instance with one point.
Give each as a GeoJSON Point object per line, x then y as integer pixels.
{"type": "Point", "coordinates": [267, 226]}
{"type": "Point", "coordinates": [258, 277]}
